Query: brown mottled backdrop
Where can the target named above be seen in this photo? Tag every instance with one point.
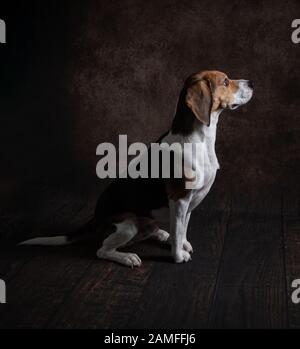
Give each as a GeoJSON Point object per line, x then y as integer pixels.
{"type": "Point", "coordinates": [77, 73]}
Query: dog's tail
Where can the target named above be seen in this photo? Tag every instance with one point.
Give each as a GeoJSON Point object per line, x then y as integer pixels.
{"type": "Point", "coordinates": [62, 240]}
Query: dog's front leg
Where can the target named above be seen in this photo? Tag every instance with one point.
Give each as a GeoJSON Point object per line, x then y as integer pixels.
{"type": "Point", "coordinates": [178, 212]}
{"type": "Point", "coordinates": [186, 244]}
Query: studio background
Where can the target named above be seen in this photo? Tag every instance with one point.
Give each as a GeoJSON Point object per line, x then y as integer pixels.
{"type": "Point", "coordinates": [78, 73]}
{"type": "Point", "coordinates": [75, 74]}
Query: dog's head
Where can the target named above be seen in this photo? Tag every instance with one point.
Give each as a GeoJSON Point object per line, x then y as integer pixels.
{"type": "Point", "coordinates": [211, 91]}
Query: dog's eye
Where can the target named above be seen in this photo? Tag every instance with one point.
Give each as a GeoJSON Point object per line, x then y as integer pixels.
{"type": "Point", "coordinates": [226, 82]}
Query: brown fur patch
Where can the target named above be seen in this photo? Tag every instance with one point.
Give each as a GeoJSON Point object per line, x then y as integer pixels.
{"type": "Point", "coordinates": [192, 93]}
{"type": "Point", "coordinates": [222, 95]}
{"type": "Point", "coordinates": [176, 187]}
{"type": "Point", "coordinates": [145, 225]}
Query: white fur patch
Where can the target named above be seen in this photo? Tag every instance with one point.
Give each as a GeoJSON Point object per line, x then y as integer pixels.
{"type": "Point", "coordinates": [46, 241]}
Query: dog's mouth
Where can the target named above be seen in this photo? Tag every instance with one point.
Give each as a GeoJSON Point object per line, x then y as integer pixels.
{"type": "Point", "coordinates": [241, 100]}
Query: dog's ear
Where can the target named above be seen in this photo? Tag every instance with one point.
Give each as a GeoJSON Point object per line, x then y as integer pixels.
{"type": "Point", "coordinates": [195, 102]}
{"type": "Point", "coordinates": [199, 99]}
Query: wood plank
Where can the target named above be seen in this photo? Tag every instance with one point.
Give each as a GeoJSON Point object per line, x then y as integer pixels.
{"type": "Point", "coordinates": [12, 261]}
{"type": "Point", "coordinates": [41, 286]}
{"type": "Point", "coordinates": [112, 296]}
{"type": "Point", "coordinates": [179, 296]}
{"type": "Point", "coordinates": [251, 291]}
{"type": "Point", "coordinates": [107, 294]}
{"type": "Point", "coordinates": [291, 229]}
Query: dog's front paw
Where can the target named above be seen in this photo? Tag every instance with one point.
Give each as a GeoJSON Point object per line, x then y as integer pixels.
{"type": "Point", "coordinates": [182, 256]}
{"type": "Point", "coordinates": [187, 247]}
{"type": "Point", "coordinates": [161, 235]}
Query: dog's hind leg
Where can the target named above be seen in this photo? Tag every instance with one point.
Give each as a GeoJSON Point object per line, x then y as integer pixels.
{"type": "Point", "coordinates": [125, 232]}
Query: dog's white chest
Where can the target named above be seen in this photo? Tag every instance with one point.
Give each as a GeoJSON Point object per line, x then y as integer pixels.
{"type": "Point", "coordinates": [208, 173]}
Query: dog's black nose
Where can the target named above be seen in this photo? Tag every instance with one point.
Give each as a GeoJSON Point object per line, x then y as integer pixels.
{"type": "Point", "coordinates": [250, 84]}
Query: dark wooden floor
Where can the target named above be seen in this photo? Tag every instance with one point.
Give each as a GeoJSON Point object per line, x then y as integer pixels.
{"type": "Point", "coordinates": [246, 254]}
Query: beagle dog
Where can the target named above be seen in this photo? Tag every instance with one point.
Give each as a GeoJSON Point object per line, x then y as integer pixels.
{"type": "Point", "coordinates": [130, 210]}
